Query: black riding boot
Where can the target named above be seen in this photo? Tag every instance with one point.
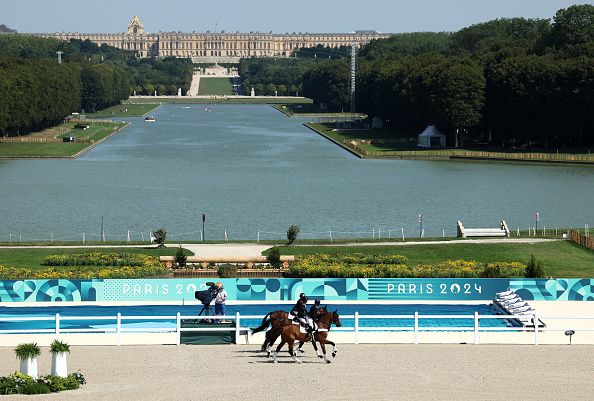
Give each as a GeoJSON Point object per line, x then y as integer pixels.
{"type": "Point", "coordinates": [309, 335]}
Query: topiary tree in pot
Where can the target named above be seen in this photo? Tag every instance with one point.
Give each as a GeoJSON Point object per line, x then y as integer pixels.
{"type": "Point", "coordinates": [59, 350]}
{"type": "Point", "coordinates": [28, 353]}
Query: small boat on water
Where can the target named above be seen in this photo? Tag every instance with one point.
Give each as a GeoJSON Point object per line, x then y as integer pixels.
{"type": "Point", "coordinates": [185, 107]}
{"type": "Point", "coordinates": [149, 119]}
{"type": "Point", "coordinates": [207, 109]}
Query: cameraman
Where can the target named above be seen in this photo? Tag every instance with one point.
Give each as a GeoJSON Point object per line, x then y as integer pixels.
{"type": "Point", "coordinates": [220, 307]}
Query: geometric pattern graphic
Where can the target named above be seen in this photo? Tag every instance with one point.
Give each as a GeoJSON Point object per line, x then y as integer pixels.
{"type": "Point", "coordinates": [554, 289]}
{"type": "Point", "coordinates": [288, 289]}
{"type": "Point", "coordinates": [49, 290]}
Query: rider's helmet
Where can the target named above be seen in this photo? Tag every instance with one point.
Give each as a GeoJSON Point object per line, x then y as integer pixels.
{"type": "Point", "coordinates": [301, 296]}
{"type": "Point", "coordinates": [317, 302]}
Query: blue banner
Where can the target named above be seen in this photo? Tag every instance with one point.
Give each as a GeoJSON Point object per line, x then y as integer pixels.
{"type": "Point", "coordinates": [285, 289]}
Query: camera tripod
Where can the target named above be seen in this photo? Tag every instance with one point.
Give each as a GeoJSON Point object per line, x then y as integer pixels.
{"type": "Point", "coordinates": [207, 311]}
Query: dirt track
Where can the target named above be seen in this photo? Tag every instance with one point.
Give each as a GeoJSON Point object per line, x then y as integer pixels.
{"type": "Point", "coordinates": [359, 372]}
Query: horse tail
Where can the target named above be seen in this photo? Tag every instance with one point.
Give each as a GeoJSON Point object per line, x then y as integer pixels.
{"type": "Point", "coordinates": [271, 337]}
{"type": "Point", "coordinates": [263, 326]}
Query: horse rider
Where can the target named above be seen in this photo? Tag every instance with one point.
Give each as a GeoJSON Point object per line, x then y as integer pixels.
{"type": "Point", "coordinates": [313, 311]}
{"type": "Point", "coordinates": [300, 312]}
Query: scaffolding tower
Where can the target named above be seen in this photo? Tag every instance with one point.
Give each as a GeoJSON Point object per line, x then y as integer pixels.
{"type": "Point", "coordinates": [353, 74]}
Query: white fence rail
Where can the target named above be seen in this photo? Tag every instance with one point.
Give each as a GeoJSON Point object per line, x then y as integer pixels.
{"type": "Point", "coordinates": [357, 329]}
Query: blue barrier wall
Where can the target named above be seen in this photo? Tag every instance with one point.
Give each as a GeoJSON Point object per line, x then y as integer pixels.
{"type": "Point", "coordinates": [273, 289]}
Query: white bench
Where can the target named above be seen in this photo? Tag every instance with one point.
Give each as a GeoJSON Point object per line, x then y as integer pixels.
{"type": "Point", "coordinates": [503, 231]}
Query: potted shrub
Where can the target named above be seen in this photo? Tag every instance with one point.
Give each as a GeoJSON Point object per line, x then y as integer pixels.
{"type": "Point", "coordinates": [59, 350]}
{"type": "Point", "coordinates": [180, 258]}
{"type": "Point", "coordinates": [28, 353]}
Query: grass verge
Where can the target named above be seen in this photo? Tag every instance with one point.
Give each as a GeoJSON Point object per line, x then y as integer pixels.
{"type": "Point", "coordinates": [561, 259]}
{"type": "Point", "coordinates": [33, 258]}
{"type": "Point", "coordinates": [215, 86]}
{"type": "Point", "coordinates": [130, 109]}
{"type": "Point", "coordinates": [43, 144]}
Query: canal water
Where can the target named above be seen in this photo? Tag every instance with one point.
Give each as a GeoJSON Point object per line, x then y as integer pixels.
{"type": "Point", "coordinates": [253, 172]}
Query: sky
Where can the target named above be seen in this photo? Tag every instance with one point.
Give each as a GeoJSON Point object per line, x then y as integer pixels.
{"type": "Point", "coordinates": [319, 16]}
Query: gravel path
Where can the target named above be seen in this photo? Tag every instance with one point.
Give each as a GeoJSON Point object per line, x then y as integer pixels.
{"type": "Point", "coordinates": [359, 372]}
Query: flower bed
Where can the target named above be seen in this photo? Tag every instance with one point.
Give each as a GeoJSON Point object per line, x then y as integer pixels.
{"type": "Point", "coordinates": [366, 266]}
{"type": "Point", "coordinates": [24, 384]}
{"type": "Point", "coordinates": [90, 266]}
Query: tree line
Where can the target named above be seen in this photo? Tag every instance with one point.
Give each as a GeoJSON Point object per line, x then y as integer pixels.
{"type": "Point", "coordinates": [37, 91]}
{"type": "Point", "coordinates": [508, 82]}
{"type": "Point", "coordinates": [267, 75]}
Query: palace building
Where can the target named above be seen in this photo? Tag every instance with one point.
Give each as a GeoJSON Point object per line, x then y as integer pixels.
{"type": "Point", "coordinates": [219, 47]}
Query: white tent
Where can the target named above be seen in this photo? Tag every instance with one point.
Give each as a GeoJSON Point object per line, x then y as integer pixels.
{"type": "Point", "coordinates": [432, 138]}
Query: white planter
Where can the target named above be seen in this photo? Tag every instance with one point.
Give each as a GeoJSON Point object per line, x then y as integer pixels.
{"type": "Point", "coordinates": [59, 367]}
{"type": "Point", "coordinates": [29, 367]}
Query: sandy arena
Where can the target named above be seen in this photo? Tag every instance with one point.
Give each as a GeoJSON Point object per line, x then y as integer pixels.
{"type": "Point", "coordinates": [359, 372]}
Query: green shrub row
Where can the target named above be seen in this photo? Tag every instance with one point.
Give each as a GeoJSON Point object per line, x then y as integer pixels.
{"type": "Point", "coordinates": [19, 383]}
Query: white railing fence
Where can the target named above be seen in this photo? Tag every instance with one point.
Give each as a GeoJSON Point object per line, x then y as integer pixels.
{"type": "Point", "coordinates": [242, 330]}
{"type": "Point", "coordinates": [226, 234]}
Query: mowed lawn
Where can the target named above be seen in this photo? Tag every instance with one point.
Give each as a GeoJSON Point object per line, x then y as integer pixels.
{"type": "Point", "coordinates": [52, 148]}
{"type": "Point", "coordinates": [560, 259]}
{"type": "Point", "coordinates": [215, 86]}
{"type": "Point", "coordinates": [34, 258]}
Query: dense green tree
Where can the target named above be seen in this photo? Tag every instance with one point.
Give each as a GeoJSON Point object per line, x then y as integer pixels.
{"type": "Point", "coordinates": [573, 25]}
{"type": "Point", "coordinates": [407, 44]}
{"type": "Point", "coordinates": [265, 71]}
{"type": "Point", "coordinates": [528, 34]}
{"type": "Point", "coordinates": [328, 82]}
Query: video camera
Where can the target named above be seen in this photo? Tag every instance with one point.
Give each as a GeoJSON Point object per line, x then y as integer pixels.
{"type": "Point", "coordinates": [206, 296]}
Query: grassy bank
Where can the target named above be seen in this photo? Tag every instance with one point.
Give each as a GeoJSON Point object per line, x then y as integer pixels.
{"type": "Point", "coordinates": [228, 100]}
{"type": "Point", "coordinates": [129, 109]}
{"type": "Point", "coordinates": [49, 143]}
{"type": "Point", "coordinates": [309, 109]}
{"type": "Point", "coordinates": [33, 258]}
{"type": "Point", "coordinates": [561, 259]}
{"type": "Point", "coordinates": [385, 143]}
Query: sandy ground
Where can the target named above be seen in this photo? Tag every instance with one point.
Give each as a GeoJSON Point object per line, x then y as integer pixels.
{"type": "Point", "coordinates": [359, 372]}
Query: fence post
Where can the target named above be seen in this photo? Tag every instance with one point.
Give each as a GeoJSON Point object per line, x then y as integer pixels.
{"type": "Point", "coordinates": [58, 326]}
{"type": "Point", "coordinates": [476, 327]}
{"type": "Point", "coordinates": [237, 328]}
{"type": "Point", "coordinates": [535, 327]}
{"type": "Point", "coordinates": [119, 328]}
{"type": "Point", "coordinates": [416, 327]}
{"type": "Point", "coordinates": [356, 327]}
{"type": "Point", "coordinates": [177, 329]}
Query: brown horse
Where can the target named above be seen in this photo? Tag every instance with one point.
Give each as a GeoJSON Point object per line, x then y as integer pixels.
{"type": "Point", "coordinates": [276, 323]}
{"type": "Point", "coordinates": [271, 317]}
{"type": "Point", "coordinates": [291, 333]}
